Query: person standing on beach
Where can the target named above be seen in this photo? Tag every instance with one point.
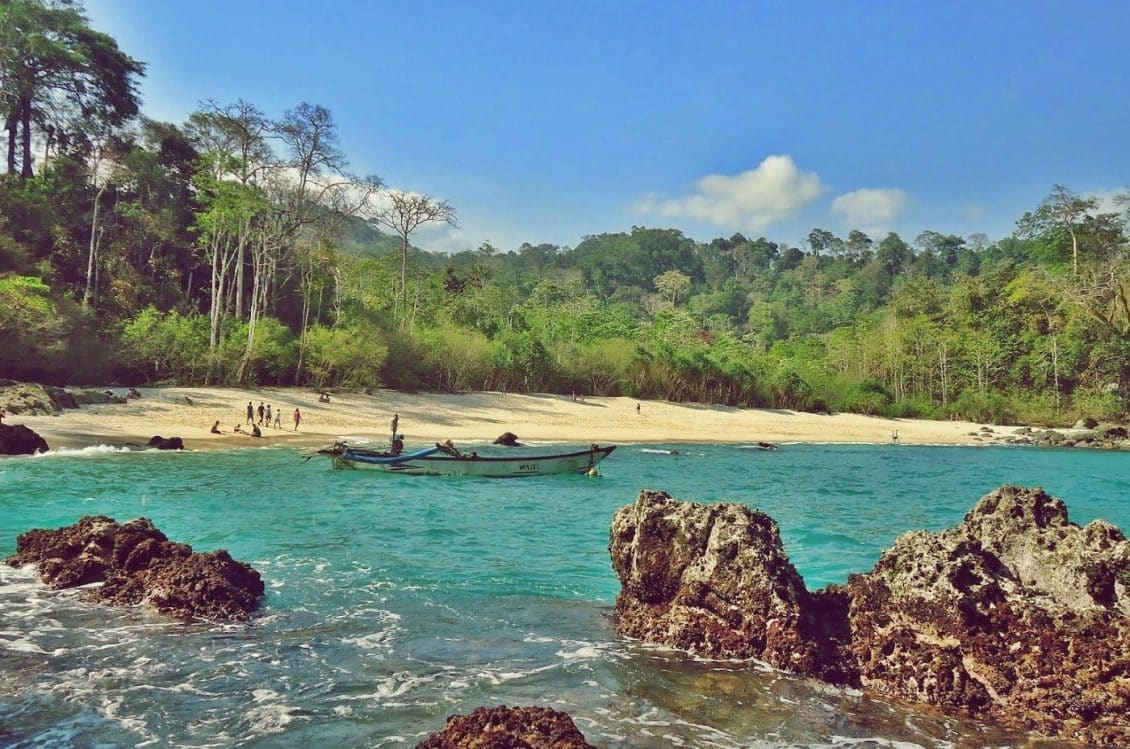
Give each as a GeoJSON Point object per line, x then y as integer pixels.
{"type": "Point", "coordinates": [260, 412]}
{"type": "Point", "coordinates": [267, 422]}
{"type": "Point", "coordinates": [895, 436]}
{"type": "Point", "coordinates": [278, 419]}
{"type": "Point", "coordinates": [250, 413]}
{"type": "Point", "coordinates": [297, 419]}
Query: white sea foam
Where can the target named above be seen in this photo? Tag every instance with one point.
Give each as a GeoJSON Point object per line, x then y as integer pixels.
{"type": "Point", "coordinates": [71, 452]}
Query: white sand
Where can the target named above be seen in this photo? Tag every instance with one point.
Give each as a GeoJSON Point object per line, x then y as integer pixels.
{"type": "Point", "coordinates": [470, 417]}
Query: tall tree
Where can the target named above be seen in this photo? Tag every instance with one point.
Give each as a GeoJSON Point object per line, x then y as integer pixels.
{"type": "Point", "coordinates": [59, 74]}
{"type": "Point", "coordinates": [406, 213]}
{"type": "Point", "coordinates": [1062, 211]}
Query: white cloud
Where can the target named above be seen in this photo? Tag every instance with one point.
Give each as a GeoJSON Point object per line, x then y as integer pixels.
{"type": "Point", "coordinates": [870, 208]}
{"type": "Point", "coordinates": [1106, 199]}
{"type": "Point", "coordinates": [749, 201]}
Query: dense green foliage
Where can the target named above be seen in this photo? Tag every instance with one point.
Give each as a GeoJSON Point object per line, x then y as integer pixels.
{"type": "Point", "coordinates": [237, 249]}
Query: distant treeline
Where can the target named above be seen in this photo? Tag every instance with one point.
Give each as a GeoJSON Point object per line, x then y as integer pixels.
{"type": "Point", "coordinates": [236, 248]}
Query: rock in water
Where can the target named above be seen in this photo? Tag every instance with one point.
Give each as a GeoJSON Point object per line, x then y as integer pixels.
{"type": "Point", "coordinates": [509, 439]}
{"type": "Point", "coordinates": [139, 564]}
{"type": "Point", "coordinates": [508, 728]}
{"type": "Point", "coordinates": [1015, 613]}
{"type": "Point", "coordinates": [16, 439]}
{"type": "Point", "coordinates": [714, 579]}
{"type": "Point", "coordinates": [165, 443]}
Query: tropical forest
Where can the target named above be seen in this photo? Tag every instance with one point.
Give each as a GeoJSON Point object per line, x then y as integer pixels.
{"type": "Point", "coordinates": [238, 248]}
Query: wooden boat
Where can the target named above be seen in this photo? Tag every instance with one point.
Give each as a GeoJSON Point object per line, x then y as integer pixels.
{"type": "Point", "coordinates": [435, 461]}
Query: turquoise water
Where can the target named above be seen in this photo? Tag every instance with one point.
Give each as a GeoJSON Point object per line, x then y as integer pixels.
{"type": "Point", "coordinates": [395, 601]}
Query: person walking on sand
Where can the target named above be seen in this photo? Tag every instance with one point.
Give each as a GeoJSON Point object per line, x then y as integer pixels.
{"type": "Point", "coordinates": [260, 410]}
{"type": "Point", "coordinates": [297, 419]}
{"type": "Point", "coordinates": [250, 412]}
{"type": "Point", "coordinates": [267, 422]}
{"type": "Point", "coordinates": [895, 436]}
{"type": "Point", "coordinates": [278, 419]}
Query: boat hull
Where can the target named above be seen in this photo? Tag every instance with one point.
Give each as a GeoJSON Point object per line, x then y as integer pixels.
{"type": "Point", "coordinates": [490, 467]}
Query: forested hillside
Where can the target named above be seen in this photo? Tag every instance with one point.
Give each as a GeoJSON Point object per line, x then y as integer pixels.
{"type": "Point", "coordinates": [237, 248]}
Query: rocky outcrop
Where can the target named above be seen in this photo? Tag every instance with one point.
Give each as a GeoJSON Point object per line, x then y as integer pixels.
{"type": "Point", "coordinates": [1098, 436]}
{"type": "Point", "coordinates": [139, 564]}
{"type": "Point", "coordinates": [16, 439]}
{"type": "Point", "coordinates": [509, 439]}
{"type": "Point", "coordinates": [714, 579]}
{"type": "Point", "coordinates": [1014, 614]}
{"type": "Point", "coordinates": [28, 399]}
{"type": "Point", "coordinates": [165, 443]}
{"type": "Point", "coordinates": [508, 728]}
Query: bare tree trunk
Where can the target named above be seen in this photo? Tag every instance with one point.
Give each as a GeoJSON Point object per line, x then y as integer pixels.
{"type": "Point", "coordinates": [25, 107]}
{"type": "Point", "coordinates": [1055, 368]}
{"type": "Point", "coordinates": [93, 246]}
{"type": "Point", "coordinates": [12, 125]}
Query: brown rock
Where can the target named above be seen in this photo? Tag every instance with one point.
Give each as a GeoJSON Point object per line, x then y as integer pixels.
{"type": "Point", "coordinates": [138, 564]}
{"type": "Point", "coordinates": [508, 728]}
{"type": "Point", "coordinates": [17, 439]}
{"type": "Point", "coordinates": [714, 579]}
{"type": "Point", "coordinates": [1015, 613]}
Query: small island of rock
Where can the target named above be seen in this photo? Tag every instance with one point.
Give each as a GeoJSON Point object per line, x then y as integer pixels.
{"type": "Point", "coordinates": [1014, 614]}
{"type": "Point", "coordinates": [138, 564]}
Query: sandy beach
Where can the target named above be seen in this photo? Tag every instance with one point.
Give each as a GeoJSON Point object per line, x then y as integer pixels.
{"type": "Point", "coordinates": [188, 412]}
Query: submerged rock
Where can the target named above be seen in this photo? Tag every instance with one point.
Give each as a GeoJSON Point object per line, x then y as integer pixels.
{"type": "Point", "coordinates": [17, 439]}
{"type": "Point", "coordinates": [139, 564]}
{"type": "Point", "coordinates": [508, 728]}
{"type": "Point", "coordinates": [1015, 613]}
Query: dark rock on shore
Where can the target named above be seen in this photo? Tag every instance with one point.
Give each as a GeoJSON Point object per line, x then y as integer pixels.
{"type": "Point", "coordinates": [1014, 614]}
{"type": "Point", "coordinates": [1099, 436]}
{"type": "Point", "coordinates": [508, 728]}
{"type": "Point", "coordinates": [509, 439]}
{"type": "Point", "coordinates": [165, 443]}
{"type": "Point", "coordinates": [139, 564]}
{"type": "Point", "coordinates": [16, 439]}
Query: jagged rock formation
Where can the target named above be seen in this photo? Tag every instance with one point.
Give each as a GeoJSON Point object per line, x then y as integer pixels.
{"type": "Point", "coordinates": [16, 439]}
{"type": "Point", "coordinates": [714, 579]}
{"type": "Point", "coordinates": [508, 728]}
{"type": "Point", "coordinates": [1015, 613]}
{"type": "Point", "coordinates": [139, 564]}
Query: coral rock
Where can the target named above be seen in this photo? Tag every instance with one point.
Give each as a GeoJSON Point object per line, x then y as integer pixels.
{"type": "Point", "coordinates": [508, 728]}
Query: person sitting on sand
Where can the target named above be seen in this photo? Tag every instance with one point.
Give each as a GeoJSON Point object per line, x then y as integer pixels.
{"type": "Point", "coordinates": [238, 430]}
{"type": "Point", "coordinates": [216, 427]}
{"type": "Point", "coordinates": [255, 431]}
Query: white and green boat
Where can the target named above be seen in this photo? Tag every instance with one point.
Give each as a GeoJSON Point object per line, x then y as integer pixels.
{"type": "Point", "coordinates": [438, 462]}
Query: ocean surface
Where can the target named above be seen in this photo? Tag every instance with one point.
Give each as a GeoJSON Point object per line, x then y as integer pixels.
{"type": "Point", "coordinates": [395, 601]}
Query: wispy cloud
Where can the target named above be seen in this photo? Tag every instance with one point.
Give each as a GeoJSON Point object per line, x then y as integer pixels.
{"type": "Point", "coordinates": [749, 201]}
{"type": "Point", "coordinates": [870, 208]}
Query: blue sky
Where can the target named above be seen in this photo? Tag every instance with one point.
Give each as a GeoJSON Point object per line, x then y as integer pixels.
{"type": "Point", "coordinates": [547, 121]}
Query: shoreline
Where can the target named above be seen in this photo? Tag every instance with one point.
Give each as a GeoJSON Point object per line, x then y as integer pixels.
{"type": "Point", "coordinates": [472, 417]}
